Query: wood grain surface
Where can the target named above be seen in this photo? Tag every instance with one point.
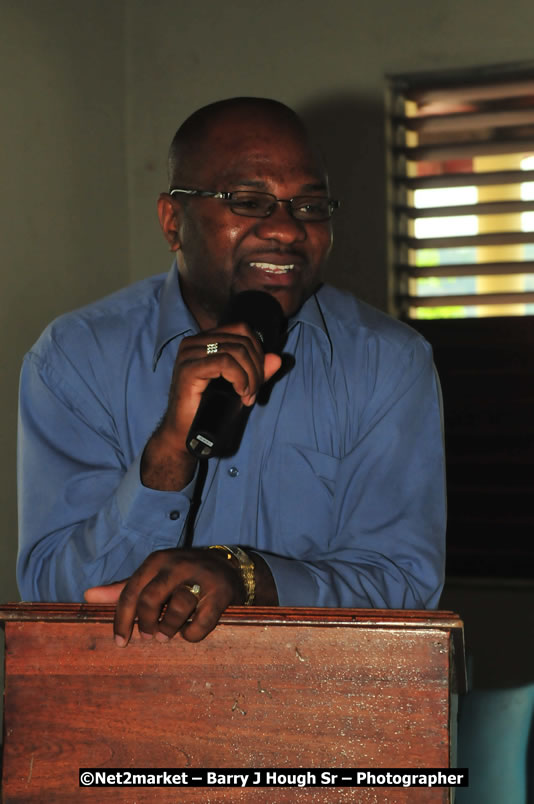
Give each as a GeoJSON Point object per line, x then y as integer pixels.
{"type": "Point", "coordinates": [269, 688]}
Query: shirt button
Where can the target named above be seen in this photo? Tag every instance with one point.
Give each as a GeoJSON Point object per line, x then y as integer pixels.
{"type": "Point", "coordinates": [174, 515]}
{"type": "Point", "coordinates": [233, 471]}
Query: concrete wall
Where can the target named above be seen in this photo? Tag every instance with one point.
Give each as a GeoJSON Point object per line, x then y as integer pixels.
{"type": "Point", "coordinates": [91, 94]}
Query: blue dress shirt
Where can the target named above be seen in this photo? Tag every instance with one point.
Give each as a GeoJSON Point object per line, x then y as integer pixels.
{"type": "Point", "coordinates": [338, 481]}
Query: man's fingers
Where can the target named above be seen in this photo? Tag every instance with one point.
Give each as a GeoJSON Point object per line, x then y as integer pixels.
{"type": "Point", "coordinates": [170, 587]}
{"type": "Point", "coordinates": [271, 365]}
{"type": "Point", "coordinates": [238, 358]}
{"type": "Point", "coordinates": [180, 607]}
{"type": "Point", "coordinates": [109, 593]}
{"type": "Point", "coordinates": [206, 617]}
{"type": "Point", "coordinates": [180, 602]}
{"type": "Point", "coordinates": [128, 602]}
{"type": "Point", "coordinates": [237, 361]}
{"type": "Point", "coordinates": [231, 365]}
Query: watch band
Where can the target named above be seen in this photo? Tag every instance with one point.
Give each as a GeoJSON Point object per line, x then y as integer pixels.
{"type": "Point", "coordinates": [246, 568]}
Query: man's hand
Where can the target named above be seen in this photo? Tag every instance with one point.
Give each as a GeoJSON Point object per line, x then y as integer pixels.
{"type": "Point", "coordinates": [166, 464]}
{"type": "Point", "coordinates": [162, 579]}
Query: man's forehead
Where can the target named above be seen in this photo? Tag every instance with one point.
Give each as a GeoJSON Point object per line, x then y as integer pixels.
{"type": "Point", "coordinates": [259, 169]}
{"type": "Point", "coordinates": [255, 153]}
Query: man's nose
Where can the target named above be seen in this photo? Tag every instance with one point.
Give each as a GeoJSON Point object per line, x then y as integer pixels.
{"type": "Point", "coordinates": [280, 225]}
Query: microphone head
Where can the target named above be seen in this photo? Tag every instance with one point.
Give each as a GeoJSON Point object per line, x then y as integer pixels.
{"type": "Point", "coordinates": [263, 314]}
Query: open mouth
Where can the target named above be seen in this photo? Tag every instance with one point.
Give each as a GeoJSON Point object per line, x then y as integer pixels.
{"type": "Point", "coordinates": [271, 268]}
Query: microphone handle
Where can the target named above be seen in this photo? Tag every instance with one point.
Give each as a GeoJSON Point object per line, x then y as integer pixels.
{"type": "Point", "coordinates": [215, 420]}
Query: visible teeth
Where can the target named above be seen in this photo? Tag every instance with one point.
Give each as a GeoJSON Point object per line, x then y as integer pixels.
{"type": "Point", "coordinates": [272, 268]}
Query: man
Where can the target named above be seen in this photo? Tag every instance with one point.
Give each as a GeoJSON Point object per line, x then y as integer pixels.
{"type": "Point", "coordinates": [335, 495]}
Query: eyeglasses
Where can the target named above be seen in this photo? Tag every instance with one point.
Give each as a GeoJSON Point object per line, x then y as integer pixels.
{"type": "Point", "coordinates": [252, 204]}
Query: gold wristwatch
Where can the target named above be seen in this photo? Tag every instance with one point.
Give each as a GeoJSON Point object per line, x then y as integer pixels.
{"type": "Point", "coordinates": [246, 568]}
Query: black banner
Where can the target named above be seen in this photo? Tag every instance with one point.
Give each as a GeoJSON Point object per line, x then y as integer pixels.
{"type": "Point", "coordinates": [274, 777]}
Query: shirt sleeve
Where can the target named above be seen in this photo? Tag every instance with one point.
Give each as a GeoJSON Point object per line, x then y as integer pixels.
{"type": "Point", "coordinates": [386, 547]}
{"type": "Point", "coordinates": [85, 518]}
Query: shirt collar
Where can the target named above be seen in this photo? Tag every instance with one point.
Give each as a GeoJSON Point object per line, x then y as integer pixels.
{"type": "Point", "coordinates": [175, 318]}
{"type": "Point", "coordinates": [311, 314]}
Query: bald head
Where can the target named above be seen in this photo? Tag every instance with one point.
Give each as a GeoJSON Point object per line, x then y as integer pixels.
{"type": "Point", "coordinates": [202, 130]}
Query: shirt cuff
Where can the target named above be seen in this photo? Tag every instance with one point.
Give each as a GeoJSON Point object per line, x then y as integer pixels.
{"type": "Point", "coordinates": [295, 584]}
{"type": "Point", "coordinates": [147, 510]}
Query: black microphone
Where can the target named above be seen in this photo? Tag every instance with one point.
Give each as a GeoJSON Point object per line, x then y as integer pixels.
{"type": "Point", "coordinates": [218, 416]}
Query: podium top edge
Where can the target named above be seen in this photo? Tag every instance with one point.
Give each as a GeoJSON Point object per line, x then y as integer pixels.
{"type": "Point", "coordinates": [246, 615]}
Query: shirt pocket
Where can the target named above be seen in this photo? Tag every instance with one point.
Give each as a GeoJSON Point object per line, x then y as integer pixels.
{"type": "Point", "coordinates": [306, 486]}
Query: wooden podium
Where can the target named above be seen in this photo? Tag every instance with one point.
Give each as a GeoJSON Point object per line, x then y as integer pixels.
{"type": "Point", "coordinates": [269, 688]}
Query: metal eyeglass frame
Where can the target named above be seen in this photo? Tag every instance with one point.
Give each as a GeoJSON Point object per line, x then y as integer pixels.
{"type": "Point", "coordinates": [333, 204]}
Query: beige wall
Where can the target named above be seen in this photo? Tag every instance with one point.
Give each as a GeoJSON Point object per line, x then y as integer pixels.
{"type": "Point", "coordinates": [328, 59]}
{"type": "Point", "coordinates": [91, 93]}
{"type": "Point", "coordinates": [63, 216]}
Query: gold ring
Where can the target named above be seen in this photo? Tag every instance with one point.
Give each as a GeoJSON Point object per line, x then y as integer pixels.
{"type": "Point", "coordinates": [195, 589]}
{"type": "Point", "coordinates": [212, 348]}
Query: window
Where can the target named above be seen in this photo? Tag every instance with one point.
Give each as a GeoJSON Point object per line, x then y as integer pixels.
{"type": "Point", "coordinates": [462, 148]}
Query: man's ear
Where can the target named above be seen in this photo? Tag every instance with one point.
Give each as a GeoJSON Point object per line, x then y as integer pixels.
{"type": "Point", "coordinates": [169, 213]}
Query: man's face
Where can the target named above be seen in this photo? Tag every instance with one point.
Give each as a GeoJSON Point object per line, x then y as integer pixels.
{"type": "Point", "coordinates": [221, 253]}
